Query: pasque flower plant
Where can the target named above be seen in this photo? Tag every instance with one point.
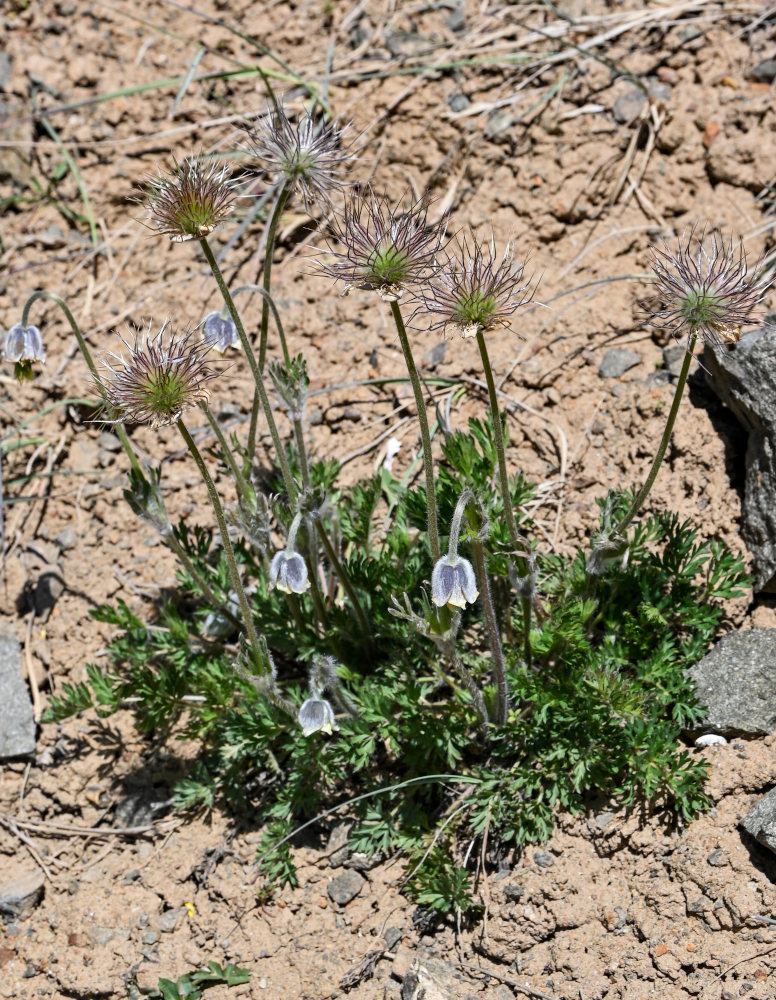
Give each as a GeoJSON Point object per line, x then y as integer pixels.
{"type": "Point", "coordinates": [386, 633]}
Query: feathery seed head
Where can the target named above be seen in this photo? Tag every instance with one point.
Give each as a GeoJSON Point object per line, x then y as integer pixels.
{"type": "Point", "coordinates": [474, 291]}
{"type": "Point", "coordinates": [191, 200]}
{"type": "Point", "coordinates": [310, 157]}
{"type": "Point", "coordinates": [161, 376]}
{"type": "Point", "coordinates": [706, 287]}
{"type": "Point", "coordinates": [384, 249]}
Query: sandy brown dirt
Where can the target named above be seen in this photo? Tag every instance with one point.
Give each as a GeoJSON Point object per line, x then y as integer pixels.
{"type": "Point", "coordinates": [555, 151]}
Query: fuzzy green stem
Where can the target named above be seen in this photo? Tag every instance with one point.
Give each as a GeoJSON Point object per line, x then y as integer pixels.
{"type": "Point", "coordinates": [257, 377]}
{"type": "Point", "coordinates": [643, 493]}
{"type": "Point", "coordinates": [339, 569]}
{"type": "Point", "coordinates": [494, 635]}
{"type": "Point", "coordinates": [278, 323]}
{"type": "Point", "coordinates": [269, 252]}
{"type": "Point", "coordinates": [121, 434]}
{"type": "Point", "coordinates": [207, 591]}
{"type": "Point", "coordinates": [315, 590]}
{"type": "Point", "coordinates": [243, 488]}
{"type": "Point", "coordinates": [471, 686]}
{"type": "Point", "coordinates": [428, 462]}
{"type": "Point", "coordinates": [506, 495]}
{"type": "Point", "coordinates": [303, 465]}
{"type": "Point", "coordinates": [250, 628]}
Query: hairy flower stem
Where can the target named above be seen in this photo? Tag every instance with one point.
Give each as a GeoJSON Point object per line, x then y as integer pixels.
{"type": "Point", "coordinates": [269, 252]}
{"type": "Point", "coordinates": [250, 628]}
{"type": "Point", "coordinates": [243, 489]}
{"type": "Point", "coordinates": [522, 564]}
{"type": "Point", "coordinates": [643, 493]}
{"type": "Point", "coordinates": [471, 686]}
{"type": "Point", "coordinates": [121, 434]}
{"type": "Point", "coordinates": [494, 635]}
{"type": "Point", "coordinates": [258, 379]}
{"type": "Point", "coordinates": [428, 463]}
{"type": "Point", "coordinates": [207, 591]}
{"type": "Point", "coordinates": [315, 590]}
{"type": "Point", "coordinates": [303, 466]}
{"type": "Point", "coordinates": [276, 315]}
{"type": "Point", "coordinates": [339, 569]}
{"type": "Point", "coordinates": [267, 299]}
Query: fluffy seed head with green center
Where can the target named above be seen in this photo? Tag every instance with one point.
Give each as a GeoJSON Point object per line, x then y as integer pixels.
{"type": "Point", "coordinates": [384, 249]}
{"type": "Point", "coordinates": [706, 287]}
{"type": "Point", "coordinates": [473, 291]}
{"type": "Point", "coordinates": [161, 376]}
{"type": "Point", "coordinates": [191, 200]}
{"type": "Point", "coordinates": [312, 157]}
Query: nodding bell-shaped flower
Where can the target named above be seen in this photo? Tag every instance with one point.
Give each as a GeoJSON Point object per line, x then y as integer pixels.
{"type": "Point", "coordinates": [23, 346]}
{"type": "Point", "coordinates": [453, 582]}
{"type": "Point", "coordinates": [288, 572]}
{"type": "Point", "coordinates": [317, 716]}
{"type": "Point", "coordinates": [219, 332]}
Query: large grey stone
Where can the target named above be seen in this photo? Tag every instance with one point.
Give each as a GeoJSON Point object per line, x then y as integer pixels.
{"type": "Point", "coordinates": [345, 887]}
{"type": "Point", "coordinates": [736, 682]}
{"type": "Point", "coordinates": [760, 821]}
{"type": "Point", "coordinates": [17, 725]}
{"type": "Point", "coordinates": [744, 377]}
{"type": "Point", "coordinates": [617, 361]}
{"type": "Point", "coordinates": [21, 894]}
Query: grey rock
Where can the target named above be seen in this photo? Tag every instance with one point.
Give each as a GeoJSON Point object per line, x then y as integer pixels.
{"type": "Point", "coordinates": [456, 20]}
{"type": "Point", "coordinates": [717, 859]}
{"type": "Point", "coordinates": [763, 72]}
{"type": "Point", "coordinates": [101, 935]}
{"type": "Point", "coordinates": [673, 357]}
{"type": "Point", "coordinates": [337, 847]}
{"type": "Point", "coordinates": [136, 809]}
{"type": "Point", "coordinates": [19, 896]}
{"type": "Point", "coordinates": [345, 887]}
{"type": "Point", "coordinates": [458, 102]}
{"type": "Point", "coordinates": [108, 442]}
{"type": "Point", "coordinates": [17, 724]}
{"type": "Point", "coordinates": [617, 361]}
{"type": "Point", "coordinates": [744, 378]}
{"type": "Point", "coordinates": [405, 43]}
{"type": "Point", "coordinates": [149, 937]}
{"type": "Point", "coordinates": [760, 821]}
{"type": "Point", "coordinates": [5, 69]}
{"type": "Point", "coordinates": [689, 33]}
{"type": "Point", "coordinates": [364, 862]}
{"type": "Point", "coordinates": [497, 123]}
{"type": "Point", "coordinates": [603, 819]}
{"type": "Point", "coordinates": [66, 539]}
{"type": "Point", "coordinates": [657, 90]}
{"type": "Point", "coordinates": [543, 859]}
{"type": "Point", "coordinates": [737, 684]}
{"type": "Point", "coordinates": [436, 355]}
{"type": "Point", "coordinates": [628, 106]}
{"type": "Point", "coordinates": [393, 936]}
{"type": "Point", "coordinates": [168, 921]}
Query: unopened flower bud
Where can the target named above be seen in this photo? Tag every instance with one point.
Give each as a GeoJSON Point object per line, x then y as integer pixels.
{"type": "Point", "coordinates": [453, 582]}
{"type": "Point", "coordinates": [317, 716]}
{"type": "Point", "coordinates": [288, 572]}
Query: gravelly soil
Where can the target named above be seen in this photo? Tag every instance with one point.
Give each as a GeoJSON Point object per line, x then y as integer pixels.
{"type": "Point", "coordinates": [582, 173]}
